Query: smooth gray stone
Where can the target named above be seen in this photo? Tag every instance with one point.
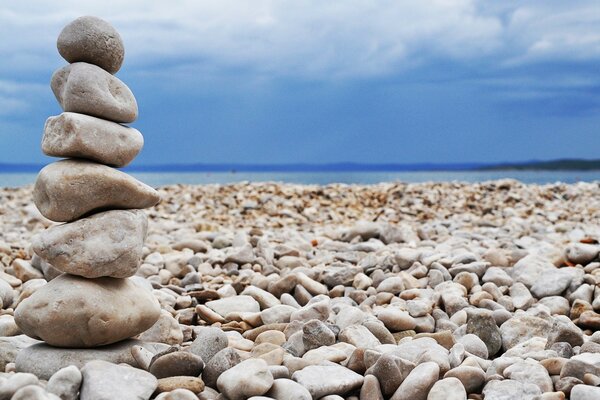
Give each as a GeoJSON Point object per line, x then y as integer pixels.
{"type": "Point", "coordinates": [10, 346]}
{"type": "Point", "coordinates": [87, 89]}
{"type": "Point", "coordinates": [106, 244]}
{"type": "Point", "coordinates": [92, 40]}
{"type": "Point", "coordinates": [65, 383]}
{"type": "Point", "coordinates": [81, 136]}
{"type": "Point", "coordinates": [69, 189]}
{"type": "Point", "coordinates": [107, 381]}
{"type": "Point", "coordinates": [44, 360]}
{"type": "Point", "coordinates": [71, 311]}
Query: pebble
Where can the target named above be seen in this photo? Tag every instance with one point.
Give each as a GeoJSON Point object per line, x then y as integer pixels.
{"type": "Point", "coordinates": [87, 89]}
{"type": "Point", "coordinates": [165, 330]}
{"type": "Point", "coordinates": [509, 389]}
{"type": "Point", "coordinates": [585, 392]}
{"type": "Point", "coordinates": [418, 383]}
{"type": "Point", "coordinates": [193, 384]}
{"type": "Point", "coordinates": [209, 341]}
{"type": "Point", "coordinates": [323, 380]}
{"type": "Point", "coordinates": [65, 383]}
{"type": "Point", "coordinates": [249, 378]}
{"type": "Point", "coordinates": [287, 389]}
{"type": "Point", "coordinates": [237, 304]}
{"type": "Point", "coordinates": [68, 189]}
{"type": "Point", "coordinates": [106, 381]}
{"type": "Point", "coordinates": [92, 40]}
{"type": "Point", "coordinates": [178, 363]}
{"type": "Point", "coordinates": [71, 311]}
{"type": "Point", "coordinates": [33, 392]}
{"type": "Point", "coordinates": [109, 243]}
{"type": "Point", "coordinates": [447, 389]}
{"type": "Point", "coordinates": [73, 135]}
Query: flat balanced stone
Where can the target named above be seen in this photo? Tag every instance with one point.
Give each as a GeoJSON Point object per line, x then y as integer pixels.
{"type": "Point", "coordinates": [106, 244]}
{"type": "Point", "coordinates": [43, 360]}
{"type": "Point", "coordinates": [71, 311]}
{"type": "Point", "coordinates": [68, 189]}
{"type": "Point", "coordinates": [81, 136]}
{"type": "Point", "coordinates": [88, 89]}
{"type": "Point", "coordinates": [92, 40]}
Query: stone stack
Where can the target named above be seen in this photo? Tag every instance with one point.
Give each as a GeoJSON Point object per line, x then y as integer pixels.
{"type": "Point", "coordinates": [94, 302]}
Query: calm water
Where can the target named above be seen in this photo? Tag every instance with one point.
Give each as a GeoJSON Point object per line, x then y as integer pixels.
{"type": "Point", "coordinates": [159, 179]}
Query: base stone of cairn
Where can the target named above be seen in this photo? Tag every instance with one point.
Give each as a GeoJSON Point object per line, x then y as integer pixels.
{"type": "Point", "coordinates": [95, 306]}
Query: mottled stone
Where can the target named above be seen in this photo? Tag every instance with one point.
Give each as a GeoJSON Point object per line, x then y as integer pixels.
{"type": "Point", "coordinates": [68, 189]}
{"type": "Point", "coordinates": [73, 135]}
{"type": "Point", "coordinates": [209, 341]}
{"type": "Point", "coordinates": [219, 363]}
{"type": "Point", "coordinates": [87, 89]}
{"type": "Point", "coordinates": [106, 244]}
{"type": "Point", "coordinates": [92, 40]}
{"type": "Point", "coordinates": [71, 311]}
{"type": "Point", "coordinates": [106, 381]}
{"type": "Point", "coordinates": [509, 389]}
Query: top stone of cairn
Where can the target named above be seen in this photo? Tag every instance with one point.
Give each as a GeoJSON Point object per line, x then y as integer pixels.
{"type": "Point", "coordinates": [92, 40]}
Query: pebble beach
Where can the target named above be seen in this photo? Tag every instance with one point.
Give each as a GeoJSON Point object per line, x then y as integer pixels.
{"type": "Point", "coordinates": [432, 291]}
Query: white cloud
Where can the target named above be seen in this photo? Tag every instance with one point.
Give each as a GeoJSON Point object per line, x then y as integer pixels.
{"type": "Point", "coordinates": [313, 38]}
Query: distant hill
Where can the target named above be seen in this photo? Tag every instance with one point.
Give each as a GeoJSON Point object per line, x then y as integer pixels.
{"type": "Point", "coordinates": [566, 164]}
{"type": "Point", "coordinates": [553, 165]}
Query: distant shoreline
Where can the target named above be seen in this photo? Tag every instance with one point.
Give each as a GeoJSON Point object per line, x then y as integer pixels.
{"type": "Point", "coordinates": [552, 165]}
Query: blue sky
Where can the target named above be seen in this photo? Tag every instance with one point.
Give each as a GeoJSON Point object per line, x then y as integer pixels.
{"type": "Point", "coordinates": [311, 81]}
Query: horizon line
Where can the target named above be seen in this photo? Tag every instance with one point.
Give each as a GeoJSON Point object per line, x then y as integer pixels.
{"type": "Point", "coordinates": [344, 166]}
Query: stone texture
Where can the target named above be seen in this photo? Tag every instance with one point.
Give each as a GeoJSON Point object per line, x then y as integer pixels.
{"type": "Point", "coordinates": [166, 330]}
{"type": "Point", "coordinates": [87, 89]}
{"type": "Point", "coordinates": [73, 135]}
{"type": "Point", "coordinates": [287, 389]}
{"type": "Point", "coordinates": [194, 385]}
{"type": "Point", "coordinates": [92, 40]}
{"type": "Point", "coordinates": [68, 189]}
{"type": "Point", "coordinates": [209, 341]}
{"type": "Point", "coordinates": [109, 243]}
{"type": "Point", "coordinates": [323, 380]}
{"type": "Point", "coordinates": [178, 363]}
{"type": "Point", "coordinates": [228, 305]}
{"type": "Point", "coordinates": [417, 384]}
{"type": "Point", "coordinates": [106, 381]}
{"type": "Point", "coordinates": [71, 311]}
{"type": "Point", "coordinates": [484, 326]}
{"type": "Point", "coordinates": [447, 389]}
{"type": "Point", "coordinates": [219, 363]}
{"type": "Point", "coordinates": [509, 389]}
{"type": "Point", "coordinates": [44, 360]}
{"type": "Point", "coordinates": [65, 383]}
{"type": "Point", "coordinates": [585, 392]}
{"type": "Point", "coordinates": [248, 378]}
{"type": "Point", "coordinates": [33, 392]}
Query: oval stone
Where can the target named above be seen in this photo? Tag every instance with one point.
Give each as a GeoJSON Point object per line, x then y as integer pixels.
{"type": "Point", "coordinates": [87, 89]}
{"type": "Point", "coordinates": [69, 189]}
{"type": "Point", "coordinates": [71, 311]}
{"type": "Point", "coordinates": [92, 40]}
{"type": "Point", "coordinates": [106, 244]}
{"type": "Point", "coordinates": [81, 136]}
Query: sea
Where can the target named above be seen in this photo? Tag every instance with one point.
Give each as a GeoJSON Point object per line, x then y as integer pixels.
{"type": "Point", "coordinates": [18, 179]}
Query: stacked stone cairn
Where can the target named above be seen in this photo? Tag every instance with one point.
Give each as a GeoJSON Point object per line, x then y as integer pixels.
{"type": "Point", "coordinates": [94, 301]}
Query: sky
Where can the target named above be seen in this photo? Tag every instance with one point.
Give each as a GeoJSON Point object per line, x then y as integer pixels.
{"type": "Point", "coordinates": [312, 81]}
